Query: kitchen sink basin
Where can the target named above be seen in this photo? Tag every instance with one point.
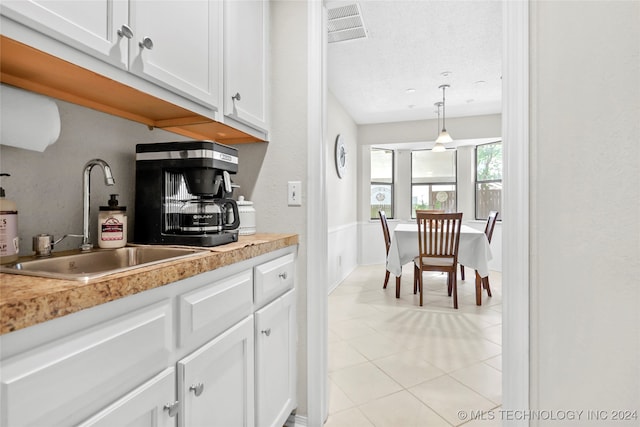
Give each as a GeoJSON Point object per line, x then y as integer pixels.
{"type": "Point", "coordinates": [91, 265]}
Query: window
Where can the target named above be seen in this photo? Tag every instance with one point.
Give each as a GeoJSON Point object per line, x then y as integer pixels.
{"type": "Point", "coordinates": [488, 179]}
{"type": "Point", "coordinates": [381, 182]}
{"type": "Point", "coordinates": [433, 180]}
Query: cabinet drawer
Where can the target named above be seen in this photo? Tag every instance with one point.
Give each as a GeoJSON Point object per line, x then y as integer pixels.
{"type": "Point", "coordinates": [273, 278]}
{"type": "Point", "coordinates": [68, 380]}
{"type": "Point", "coordinates": [207, 311]}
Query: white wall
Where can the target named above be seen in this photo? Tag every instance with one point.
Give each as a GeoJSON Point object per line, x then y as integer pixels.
{"type": "Point", "coordinates": [342, 195]}
{"type": "Point", "coordinates": [585, 207]}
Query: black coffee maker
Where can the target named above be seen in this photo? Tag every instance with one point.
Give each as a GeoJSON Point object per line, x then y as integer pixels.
{"type": "Point", "coordinates": [183, 194]}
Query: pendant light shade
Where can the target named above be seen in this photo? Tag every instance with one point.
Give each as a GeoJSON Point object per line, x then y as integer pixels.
{"type": "Point", "coordinates": [444, 136]}
{"type": "Point", "coordinates": [438, 147]}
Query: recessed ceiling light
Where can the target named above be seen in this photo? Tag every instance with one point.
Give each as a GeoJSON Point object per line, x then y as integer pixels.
{"type": "Point", "coordinates": [445, 73]}
{"type": "Point", "coordinates": [410, 90]}
{"type": "Point", "coordinates": [469, 101]}
{"type": "Point", "coordinates": [480, 82]}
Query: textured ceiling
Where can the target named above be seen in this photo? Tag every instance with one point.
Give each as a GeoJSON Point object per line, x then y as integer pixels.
{"type": "Point", "coordinates": [409, 45]}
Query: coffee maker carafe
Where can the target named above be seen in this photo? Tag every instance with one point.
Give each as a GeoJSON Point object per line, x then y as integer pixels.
{"type": "Point", "coordinates": [183, 194]}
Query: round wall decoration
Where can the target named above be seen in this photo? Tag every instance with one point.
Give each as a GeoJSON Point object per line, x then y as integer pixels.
{"type": "Point", "coordinates": [341, 156]}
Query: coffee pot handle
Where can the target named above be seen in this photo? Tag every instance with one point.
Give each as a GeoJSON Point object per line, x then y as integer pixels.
{"type": "Point", "coordinates": [236, 215]}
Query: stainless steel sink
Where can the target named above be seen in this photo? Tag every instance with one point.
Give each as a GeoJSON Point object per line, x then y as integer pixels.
{"type": "Point", "coordinates": [87, 266]}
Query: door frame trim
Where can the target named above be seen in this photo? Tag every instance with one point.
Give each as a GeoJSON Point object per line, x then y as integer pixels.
{"type": "Point", "coordinates": [515, 227]}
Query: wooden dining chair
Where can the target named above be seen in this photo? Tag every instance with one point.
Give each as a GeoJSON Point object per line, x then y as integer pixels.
{"type": "Point", "coordinates": [438, 242]}
{"type": "Point", "coordinates": [415, 282]}
{"type": "Point", "coordinates": [387, 244]}
{"type": "Point", "coordinates": [488, 231]}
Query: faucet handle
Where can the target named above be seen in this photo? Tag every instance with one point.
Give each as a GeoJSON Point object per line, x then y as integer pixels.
{"type": "Point", "coordinates": [42, 245]}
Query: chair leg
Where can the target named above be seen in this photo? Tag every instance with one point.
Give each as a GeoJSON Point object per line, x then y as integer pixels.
{"type": "Point", "coordinates": [398, 287]}
{"type": "Point", "coordinates": [415, 278]}
{"type": "Point", "coordinates": [485, 284]}
{"type": "Point", "coordinates": [461, 272]}
{"type": "Point", "coordinates": [386, 280]}
{"type": "Point", "coordinates": [449, 284]}
{"type": "Point", "coordinates": [420, 285]}
{"type": "Point", "coordinates": [455, 288]}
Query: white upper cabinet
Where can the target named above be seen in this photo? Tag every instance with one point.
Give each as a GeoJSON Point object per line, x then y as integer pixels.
{"type": "Point", "coordinates": [178, 44]}
{"type": "Point", "coordinates": [94, 27]}
{"type": "Point", "coordinates": [246, 45]}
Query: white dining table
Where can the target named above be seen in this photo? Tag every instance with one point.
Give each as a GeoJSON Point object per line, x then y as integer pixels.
{"type": "Point", "coordinates": [473, 252]}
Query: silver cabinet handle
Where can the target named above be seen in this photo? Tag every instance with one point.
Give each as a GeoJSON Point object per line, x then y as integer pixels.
{"type": "Point", "coordinates": [125, 31]}
{"type": "Point", "coordinates": [267, 332]}
{"type": "Point", "coordinates": [197, 389]}
{"type": "Point", "coordinates": [283, 276]}
{"type": "Point", "coordinates": [236, 97]}
{"type": "Point", "coordinates": [146, 43]}
{"type": "Point", "coordinates": [172, 408]}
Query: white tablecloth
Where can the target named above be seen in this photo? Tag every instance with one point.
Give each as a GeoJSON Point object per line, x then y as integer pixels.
{"type": "Point", "coordinates": [474, 251]}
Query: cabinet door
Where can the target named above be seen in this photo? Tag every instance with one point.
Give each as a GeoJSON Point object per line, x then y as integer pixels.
{"type": "Point", "coordinates": [276, 361]}
{"type": "Point", "coordinates": [89, 26]}
{"type": "Point", "coordinates": [215, 383]}
{"type": "Point", "coordinates": [143, 407]}
{"type": "Point", "coordinates": [246, 46]}
{"type": "Point", "coordinates": [183, 46]}
{"type": "Point", "coordinates": [68, 380]}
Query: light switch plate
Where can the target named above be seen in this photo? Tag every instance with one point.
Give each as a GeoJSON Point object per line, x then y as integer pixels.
{"type": "Point", "coordinates": [294, 193]}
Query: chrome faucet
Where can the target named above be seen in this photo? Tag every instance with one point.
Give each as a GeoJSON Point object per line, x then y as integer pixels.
{"type": "Point", "coordinates": [86, 188]}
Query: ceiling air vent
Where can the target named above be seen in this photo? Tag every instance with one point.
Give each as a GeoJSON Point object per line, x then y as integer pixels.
{"type": "Point", "coordinates": [345, 23]}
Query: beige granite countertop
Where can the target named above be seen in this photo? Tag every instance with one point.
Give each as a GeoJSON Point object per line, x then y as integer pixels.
{"type": "Point", "coordinates": [29, 300]}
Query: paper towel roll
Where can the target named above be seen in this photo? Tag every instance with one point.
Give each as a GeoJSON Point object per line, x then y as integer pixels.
{"type": "Point", "coordinates": [27, 120]}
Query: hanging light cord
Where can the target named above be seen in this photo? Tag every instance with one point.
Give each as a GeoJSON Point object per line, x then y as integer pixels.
{"type": "Point", "coordinates": [444, 129]}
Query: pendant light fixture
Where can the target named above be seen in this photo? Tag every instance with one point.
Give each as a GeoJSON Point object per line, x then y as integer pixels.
{"type": "Point", "coordinates": [444, 136]}
{"type": "Point", "coordinates": [438, 147]}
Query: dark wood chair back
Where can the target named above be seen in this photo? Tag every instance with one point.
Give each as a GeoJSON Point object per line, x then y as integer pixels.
{"type": "Point", "coordinates": [491, 224]}
{"type": "Point", "coordinates": [439, 234]}
{"type": "Point", "coordinates": [385, 230]}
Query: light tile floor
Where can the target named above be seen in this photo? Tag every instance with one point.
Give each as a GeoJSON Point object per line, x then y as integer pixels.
{"type": "Point", "coordinates": [393, 363]}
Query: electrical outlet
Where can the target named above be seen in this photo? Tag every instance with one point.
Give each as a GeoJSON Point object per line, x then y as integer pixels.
{"type": "Point", "coordinates": [294, 193]}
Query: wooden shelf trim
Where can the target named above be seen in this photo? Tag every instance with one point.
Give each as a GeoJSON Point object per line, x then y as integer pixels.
{"type": "Point", "coordinates": [36, 71]}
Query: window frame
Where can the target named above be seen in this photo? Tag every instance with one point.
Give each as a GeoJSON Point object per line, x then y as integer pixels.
{"type": "Point", "coordinates": [392, 184]}
{"type": "Point", "coordinates": [454, 183]}
{"type": "Point", "coordinates": [486, 181]}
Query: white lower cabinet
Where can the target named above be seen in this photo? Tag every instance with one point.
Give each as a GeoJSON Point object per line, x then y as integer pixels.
{"type": "Point", "coordinates": [276, 361]}
{"type": "Point", "coordinates": [66, 381]}
{"type": "Point", "coordinates": [215, 383]}
{"type": "Point", "coordinates": [146, 406]}
{"type": "Point", "coordinates": [201, 352]}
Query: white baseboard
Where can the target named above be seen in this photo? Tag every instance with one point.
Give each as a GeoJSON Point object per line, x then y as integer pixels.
{"type": "Point", "coordinates": [296, 421]}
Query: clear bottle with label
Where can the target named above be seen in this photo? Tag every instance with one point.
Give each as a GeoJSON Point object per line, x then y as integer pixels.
{"type": "Point", "coordinates": [9, 241]}
{"type": "Point", "coordinates": [112, 224]}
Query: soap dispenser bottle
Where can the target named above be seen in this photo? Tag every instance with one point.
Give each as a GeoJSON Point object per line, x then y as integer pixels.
{"type": "Point", "coordinates": [9, 241]}
{"type": "Point", "coordinates": [112, 224]}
